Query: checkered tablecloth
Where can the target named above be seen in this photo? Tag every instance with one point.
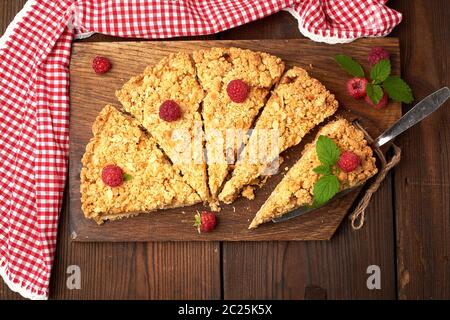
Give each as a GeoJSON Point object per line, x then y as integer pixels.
{"type": "Point", "coordinates": [34, 103]}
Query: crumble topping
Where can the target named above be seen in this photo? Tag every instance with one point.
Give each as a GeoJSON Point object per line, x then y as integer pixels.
{"type": "Point", "coordinates": [248, 192]}
{"type": "Point", "coordinates": [296, 106]}
{"type": "Point", "coordinates": [216, 68]}
{"type": "Point", "coordinates": [154, 183]}
{"type": "Point", "coordinates": [173, 78]}
{"type": "Point", "coordinates": [296, 187]}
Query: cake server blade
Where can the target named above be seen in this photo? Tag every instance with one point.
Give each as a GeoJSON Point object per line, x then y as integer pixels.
{"type": "Point", "coordinates": [419, 112]}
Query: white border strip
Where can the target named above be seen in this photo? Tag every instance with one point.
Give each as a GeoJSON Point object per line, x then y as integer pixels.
{"type": "Point", "coordinates": [4, 272]}
{"type": "Point", "coordinates": [315, 37]}
{"type": "Point", "coordinates": [74, 21]}
{"type": "Point", "coordinates": [84, 35]}
{"type": "Point", "coordinates": [326, 39]}
{"type": "Point", "coordinates": [16, 287]}
{"type": "Point", "coordinates": [26, 8]}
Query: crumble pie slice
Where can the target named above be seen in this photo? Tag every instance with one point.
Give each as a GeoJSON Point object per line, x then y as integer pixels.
{"type": "Point", "coordinates": [296, 188]}
{"type": "Point", "coordinates": [296, 106]}
{"type": "Point", "coordinates": [226, 122]}
{"type": "Point", "coordinates": [173, 78]}
{"type": "Point", "coordinates": [154, 183]}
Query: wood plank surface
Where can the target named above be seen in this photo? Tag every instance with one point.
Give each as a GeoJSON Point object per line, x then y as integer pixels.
{"type": "Point", "coordinates": [90, 92]}
{"type": "Point", "coordinates": [138, 270]}
{"type": "Point", "coordinates": [8, 9]}
{"type": "Point", "coordinates": [316, 269]}
{"type": "Point", "coordinates": [422, 180]}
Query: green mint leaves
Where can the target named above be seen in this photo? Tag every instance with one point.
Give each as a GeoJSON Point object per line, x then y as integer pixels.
{"type": "Point", "coordinates": [380, 71]}
{"type": "Point", "coordinates": [398, 89]}
{"type": "Point", "coordinates": [350, 65]}
{"type": "Point", "coordinates": [327, 151]}
{"type": "Point", "coordinates": [127, 177]}
{"type": "Point", "coordinates": [325, 189]}
{"type": "Point", "coordinates": [374, 91]}
{"type": "Point", "coordinates": [328, 184]}
{"type": "Point", "coordinates": [323, 169]}
{"type": "Point", "coordinates": [380, 79]}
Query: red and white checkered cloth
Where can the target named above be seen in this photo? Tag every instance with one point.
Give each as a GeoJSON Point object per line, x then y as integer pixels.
{"type": "Point", "coordinates": [34, 103]}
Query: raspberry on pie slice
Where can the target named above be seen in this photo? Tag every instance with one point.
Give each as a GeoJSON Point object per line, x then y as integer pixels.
{"type": "Point", "coordinates": [165, 100]}
{"type": "Point", "coordinates": [151, 183]}
{"type": "Point", "coordinates": [236, 84]}
{"type": "Point", "coordinates": [296, 188]}
{"type": "Point", "coordinates": [296, 106]}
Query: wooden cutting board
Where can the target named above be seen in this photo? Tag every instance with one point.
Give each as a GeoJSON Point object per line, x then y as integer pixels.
{"type": "Point", "coordinates": [89, 93]}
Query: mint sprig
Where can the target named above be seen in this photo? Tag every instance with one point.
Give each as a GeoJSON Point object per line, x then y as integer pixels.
{"type": "Point", "coordinates": [380, 71]}
{"type": "Point", "coordinates": [127, 177]}
{"type": "Point", "coordinates": [327, 151]}
{"type": "Point", "coordinates": [350, 65]}
{"type": "Point", "coordinates": [325, 189]}
{"type": "Point", "coordinates": [398, 89]}
{"type": "Point", "coordinates": [374, 92]}
{"type": "Point", "coordinates": [327, 186]}
{"type": "Point", "coordinates": [323, 169]}
{"type": "Point", "coordinates": [381, 79]}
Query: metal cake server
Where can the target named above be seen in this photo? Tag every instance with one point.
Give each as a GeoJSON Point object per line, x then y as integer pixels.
{"type": "Point", "coordinates": [419, 112]}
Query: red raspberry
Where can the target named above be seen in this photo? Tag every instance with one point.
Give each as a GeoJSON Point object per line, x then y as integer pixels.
{"type": "Point", "coordinates": [112, 175]}
{"type": "Point", "coordinates": [356, 87]}
{"type": "Point", "coordinates": [237, 90]}
{"type": "Point", "coordinates": [205, 222]}
{"type": "Point", "coordinates": [381, 104]}
{"type": "Point", "coordinates": [377, 54]}
{"type": "Point", "coordinates": [169, 111]}
{"type": "Point", "coordinates": [101, 65]}
{"type": "Point", "coordinates": [348, 161]}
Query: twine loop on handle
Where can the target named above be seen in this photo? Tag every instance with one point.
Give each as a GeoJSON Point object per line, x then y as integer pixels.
{"type": "Point", "coordinates": [358, 215]}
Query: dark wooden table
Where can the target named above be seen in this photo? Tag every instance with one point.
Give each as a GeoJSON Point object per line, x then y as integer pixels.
{"type": "Point", "coordinates": [407, 233]}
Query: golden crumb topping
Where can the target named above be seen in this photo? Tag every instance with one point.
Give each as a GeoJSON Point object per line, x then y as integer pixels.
{"type": "Point", "coordinates": [216, 67]}
{"type": "Point", "coordinates": [296, 188]}
{"type": "Point", "coordinates": [173, 78]}
{"type": "Point", "coordinates": [153, 183]}
{"type": "Point", "coordinates": [296, 106]}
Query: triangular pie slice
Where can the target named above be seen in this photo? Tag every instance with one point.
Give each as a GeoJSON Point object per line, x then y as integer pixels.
{"type": "Point", "coordinates": [296, 188]}
{"type": "Point", "coordinates": [173, 78]}
{"type": "Point", "coordinates": [216, 67]}
{"type": "Point", "coordinates": [296, 106]}
{"type": "Point", "coordinates": [152, 181]}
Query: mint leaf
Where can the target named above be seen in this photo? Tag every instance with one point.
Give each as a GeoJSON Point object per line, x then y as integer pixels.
{"type": "Point", "coordinates": [374, 92]}
{"type": "Point", "coordinates": [322, 169]}
{"type": "Point", "coordinates": [327, 151]}
{"type": "Point", "coordinates": [127, 177]}
{"type": "Point", "coordinates": [398, 90]}
{"type": "Point", "coordinates": [350, 65]}
{"type": "Point", "coordinates": [380, 71]}
{"type": "Point", "coordinates": [328, 184]}
{"type": "Point", "coordinates": [325, 189]}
